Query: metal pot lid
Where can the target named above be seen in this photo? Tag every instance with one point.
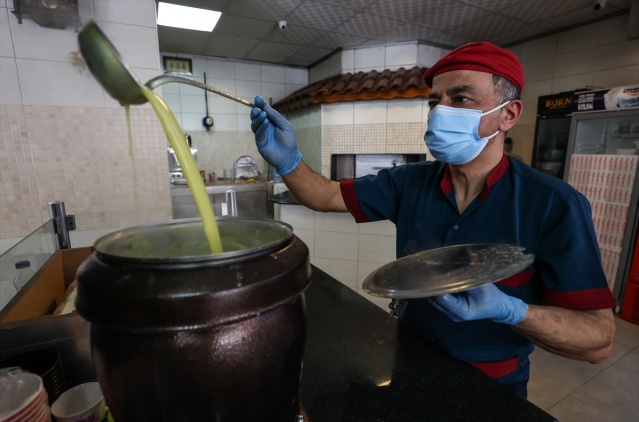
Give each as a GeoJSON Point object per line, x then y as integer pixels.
{"type": "Point", "coordinates": [447, 270]}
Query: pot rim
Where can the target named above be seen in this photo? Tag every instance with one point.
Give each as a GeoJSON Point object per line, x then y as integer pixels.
{"type": "Point", "coordinates": [104, 246]}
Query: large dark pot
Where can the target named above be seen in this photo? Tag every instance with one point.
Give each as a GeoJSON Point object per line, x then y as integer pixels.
{"type": "Point", "coordinates": [179, 334]}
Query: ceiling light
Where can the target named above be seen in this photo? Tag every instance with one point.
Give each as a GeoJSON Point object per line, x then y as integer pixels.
{"type": "Point", "coordinates": [187, 17]}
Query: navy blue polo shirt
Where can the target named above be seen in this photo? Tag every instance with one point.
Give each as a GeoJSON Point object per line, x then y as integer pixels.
{"type": "Point", "coordinates": [518, 205]}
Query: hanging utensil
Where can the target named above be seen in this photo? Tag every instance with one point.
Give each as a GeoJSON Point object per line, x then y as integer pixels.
{"type": "Point", "coordinates": [117, 79]}
{"type": "Point", "coordinates": [207, 121]}
{"type": "Point", "coordinates": [446, 270]}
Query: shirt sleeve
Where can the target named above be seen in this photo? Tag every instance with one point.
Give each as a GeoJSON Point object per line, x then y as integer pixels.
{"type": "Point", "coordinates": [375, 198]}
{"type": "Point", "coordinates": [569, 260]}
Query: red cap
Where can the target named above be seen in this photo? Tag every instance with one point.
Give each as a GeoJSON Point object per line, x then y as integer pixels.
{"type": "Point", "coordinates": [483, 57]}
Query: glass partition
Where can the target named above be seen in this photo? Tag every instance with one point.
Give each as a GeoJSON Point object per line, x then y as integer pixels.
{"type": "Point", "coordinates": [36, 248]}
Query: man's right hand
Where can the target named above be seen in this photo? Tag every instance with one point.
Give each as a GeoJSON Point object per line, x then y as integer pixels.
{"type": "Point", "coordinates": [274, 137]}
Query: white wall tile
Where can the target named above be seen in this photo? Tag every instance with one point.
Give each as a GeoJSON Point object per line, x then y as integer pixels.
{"type": "Point", "coordinates": [616, 77]}
{"type": "Point", "coordinates": [336, 245]}
{"type": "Point", "coordinates": [342, 270]}
{"type": "Point", "coordinates": [171, 88]}
{"type": "Point", "coordinates": [273, 74]}
{"type": "Point", "coordinates": [276, 91]}
{"type": "Point", "coordinates": [376, 248]}
{"type": "Point", "coordinates": [137, 45]}
{"type": "Point", "coordinates": [333, 65]}
{"type": "Point", "coordinates": [192, 104]}
{"type": "Point", "coordinates": [538, 49]}
{"type": "Point", "coordinates": [227, 84]}
{"type": "Point", "coordinates": [298, 216]}
{"type": "Point", "coordinates": [370, 112]}
{"type": "Point", "coordinates": [64, 86]}
{"type": "Point", "coordinates": [314, 116]}
{"type": "Point", "coordinates": [579, 38]}
{"type": "Point", "coordinates": [291, 88]}
{"type": "Point", "coordinates": [335, 222]}
{"type": "Point", "coordinates": [571, 82]}
{"type": "Point", "coordinates": [126, 11]}
{"type": "Point", "coordinates": [173, 101]}
{"type": "Point", "coordinates": [384, 227]}
{"type": "Point", "coordinates": [337, 114]}
{"type": "Point", "coordinates": [219, 69]}
{"type": "Point", "coordinates": [370, 58]}
{"type": "Point", "coordinates": [617, 54]}
{"type": "Point", "coordinates": [537, 70]}
{"type": "Point", "coordinates": [31, 41]}
{"type": "Point", "coordinates": [221, 105]}
{"type": "Point", "coordinates": [402, 55]}
{"type": "Point", "coordinates": [200, 66]}
{"type": "Point", "coordinates": [318, 72]}
{"type": "Point", "coordinates": [244, 122]}
{"type": "Point", "coordinates": [347, 59]}
{"type": "Point", "coordinates": [10, 92]}
{"type": "Point", "coordinates": [247, 72]}
{"type": "Point", "coordinates": [609, 29]}
{"type": "Point", "coordinates": [296, 76]}
{"type": "Point", "coordinates": [577, 62]}
{"type": "Point", "coordinates": [428, 55]}
{"type": "Point", "coordinates": [406, 111]}
{"type": "Point", "coordinates": [298, 119]}
{"type": "Point", "coordinates": [6, 40]}
{"type": "Point", "coordinates": [248, 89]}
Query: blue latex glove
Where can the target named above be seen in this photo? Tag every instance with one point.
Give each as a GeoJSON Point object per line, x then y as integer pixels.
{"type": "Point", "coordinates": [274, 137]}
{"type": "Point", "coordinates": [484, 302]}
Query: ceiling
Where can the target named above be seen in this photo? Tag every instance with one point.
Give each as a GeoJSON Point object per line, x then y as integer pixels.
{"type": "Point", "coordinates": [248, 29]}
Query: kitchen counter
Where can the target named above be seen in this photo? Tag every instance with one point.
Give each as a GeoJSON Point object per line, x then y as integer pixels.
{"type": "Point", "coordinates": [359, 365]}
{"type": "Point", "coordinates": [251, 197]}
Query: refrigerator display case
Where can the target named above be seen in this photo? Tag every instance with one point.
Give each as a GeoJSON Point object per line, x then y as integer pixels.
{"type": "Point", "coordinates": [551, 133]}
{"type": "Point", "coordinates": [602, 156]}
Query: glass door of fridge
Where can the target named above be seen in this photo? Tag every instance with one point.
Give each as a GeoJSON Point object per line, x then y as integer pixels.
{"type": "Point", "coordinates": [551, 142]}
{"type": "Point", "coordinates": [604, 133]}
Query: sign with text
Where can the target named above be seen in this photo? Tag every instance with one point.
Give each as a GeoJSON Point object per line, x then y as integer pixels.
{"type": "Point", "coordinates": [607, 99]}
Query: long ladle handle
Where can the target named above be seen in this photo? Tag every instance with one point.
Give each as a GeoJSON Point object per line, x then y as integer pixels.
{"type": "Point", "coordinates": [163, 79]}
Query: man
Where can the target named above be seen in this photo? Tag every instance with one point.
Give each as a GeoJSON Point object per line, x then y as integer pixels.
{"type": "Point", "coordinates": [474, 193]}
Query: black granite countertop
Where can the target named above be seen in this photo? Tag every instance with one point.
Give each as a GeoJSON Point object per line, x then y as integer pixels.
{"type": "Point", "coordinates": [359, 365]}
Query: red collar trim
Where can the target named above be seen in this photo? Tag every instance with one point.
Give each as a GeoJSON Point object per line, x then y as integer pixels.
{"type": "Point", "coordinates": [497, 173]}
{"type": "Point", "coordinates": [494, 176]}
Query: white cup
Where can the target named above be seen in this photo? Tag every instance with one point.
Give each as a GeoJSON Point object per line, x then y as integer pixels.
{"type": "Point", "coordinates": [84, 402]}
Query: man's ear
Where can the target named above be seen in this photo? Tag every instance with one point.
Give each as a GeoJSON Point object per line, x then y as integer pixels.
{"type": "Point", "coordinates": [512, 113]}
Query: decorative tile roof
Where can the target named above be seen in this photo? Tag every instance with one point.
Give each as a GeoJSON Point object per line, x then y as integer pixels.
{"type": "Point", "coordinates": [361, 86]}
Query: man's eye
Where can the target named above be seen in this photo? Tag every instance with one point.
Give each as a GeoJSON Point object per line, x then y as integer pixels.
{"type": "Point", "coordinates": [460, 100]}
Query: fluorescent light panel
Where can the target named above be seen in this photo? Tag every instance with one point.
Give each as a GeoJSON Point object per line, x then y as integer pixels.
{"type": "Point", "coordinates": [187, 17]}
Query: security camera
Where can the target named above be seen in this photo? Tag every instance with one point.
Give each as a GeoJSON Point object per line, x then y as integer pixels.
{"type": "Point", "coordinates": [282, 25]}
{"type": "Point", "coordinates": [599, 4]}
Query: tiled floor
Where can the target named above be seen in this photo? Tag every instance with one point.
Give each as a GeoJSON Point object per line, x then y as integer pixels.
{"type": "Point", "coordinates": [581, 392]}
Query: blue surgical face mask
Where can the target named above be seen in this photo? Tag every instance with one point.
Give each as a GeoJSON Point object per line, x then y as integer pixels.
{"type": "Point", "coordinates": [453, 133]}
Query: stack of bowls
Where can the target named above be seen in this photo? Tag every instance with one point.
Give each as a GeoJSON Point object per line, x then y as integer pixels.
{"type": "Point", "coordinates": [45, 363]}
{"type": "Point", "coordinates": [82, 403]}
{"type": "Point", "coordinates": [23, 397]}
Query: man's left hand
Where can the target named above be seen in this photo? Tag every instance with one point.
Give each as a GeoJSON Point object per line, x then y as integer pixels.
{"type": "Point", "coordinates": [484, 302]}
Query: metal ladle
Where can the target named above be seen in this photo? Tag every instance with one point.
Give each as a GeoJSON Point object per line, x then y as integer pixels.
{"type": "Point", "coordinates": [116, 78]}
